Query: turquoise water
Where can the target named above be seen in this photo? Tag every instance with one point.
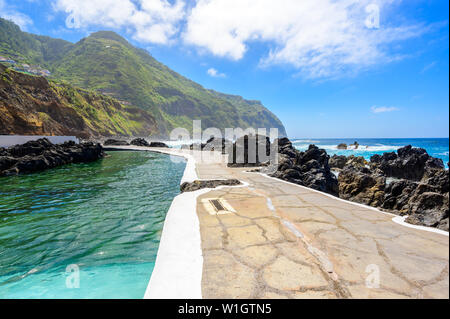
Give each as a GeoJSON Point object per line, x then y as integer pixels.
{"type": "Point", "coordinates": [104, 217]}
{"type": "Point", "coordinates": [436, 147]}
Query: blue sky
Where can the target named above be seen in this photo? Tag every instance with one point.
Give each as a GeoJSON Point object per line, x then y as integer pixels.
{"type": "Point", "coordinates": [325, 68]}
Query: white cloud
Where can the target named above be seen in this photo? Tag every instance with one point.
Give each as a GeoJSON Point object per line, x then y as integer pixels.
{"type": "Point", "coordinates": [9, 13]}
{"type": "Point", "coordinates": [428, 67]}
{"type": "Point", "coordinates": [151, 20]}
{"type": "Point", "coordinates": [215, 74]}
{"type": "Point", "coordinates": [321, 38]}
{"type": "Point", "coordinates": [383, 109]}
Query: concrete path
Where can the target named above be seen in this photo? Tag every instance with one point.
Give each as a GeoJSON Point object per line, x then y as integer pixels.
{"type": "Point", "coordinates": [288, 241]}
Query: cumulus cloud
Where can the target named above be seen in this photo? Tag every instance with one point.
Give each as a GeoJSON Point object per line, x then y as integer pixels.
{"type": "Point", "coordinates": [9, 13]}
{"type": "Point", "coordinates": [383, 109]}
{"type": "Point", "coordinates": [319, 38]}
{"type": "Point", "coordinates": [215, 74]}
{"type": "Point", "coordinates": [152, 21]}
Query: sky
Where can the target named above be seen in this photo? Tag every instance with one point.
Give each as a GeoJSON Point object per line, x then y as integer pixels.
{"type": "Point", "coordinates": [326, 68]}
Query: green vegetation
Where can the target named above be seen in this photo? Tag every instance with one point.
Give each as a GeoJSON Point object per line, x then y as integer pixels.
{"type": "Point", "coordinates": [34, 105]}
{"type": "Point", "coordinates": [107, 63]}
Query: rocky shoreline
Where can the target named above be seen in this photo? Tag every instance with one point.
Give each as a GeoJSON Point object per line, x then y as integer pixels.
{"type": "Point", "coordinates": [408, 182]}
{"type": "Point", "coordinates": [136, 142]}
{"type": "Point", "coordinates": [41, 154]}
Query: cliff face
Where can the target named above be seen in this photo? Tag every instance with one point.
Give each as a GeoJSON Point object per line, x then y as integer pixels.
{"type": "Point", "coordinates": [31, 105]}
{"type": "Point", "coordinates": [106, 62]}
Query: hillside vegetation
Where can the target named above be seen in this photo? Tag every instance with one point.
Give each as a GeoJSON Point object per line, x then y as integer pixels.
{"type": "Point", "coordinates": [107, 63]}
{"type": "Point", "coordinates": [31, 105]}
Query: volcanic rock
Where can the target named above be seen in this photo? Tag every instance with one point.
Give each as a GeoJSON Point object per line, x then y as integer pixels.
{"type": "Point", "coordinates": [196, 185]}
{"type": "Point", "coordinates": [139, 142]}
{"type": "Point", "coordinates": [113, 142]}
{"type": "Point", "coordinates": [41, 154]}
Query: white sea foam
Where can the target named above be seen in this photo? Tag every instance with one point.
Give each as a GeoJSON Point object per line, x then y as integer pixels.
{"type": "Point", "coordinates": [361, 148]}
{"type": "Point", "coordinates": [305, 141]}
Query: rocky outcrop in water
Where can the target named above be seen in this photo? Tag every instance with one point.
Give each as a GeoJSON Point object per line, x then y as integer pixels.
{"type": "Point", "coordinates": [196, 185]}
{"type": "Point", "coordinates": [139, 142]}
{"type": "Point", "coordinates": [158, 144]}
{"type": "Point", "coordinates": [41, 154]}
{"type": "Point", "coordinates": [355, 145]}
{"type": "Point", "coordinates": [212, 144]}
{"type": "Point", "coordinates": [114, 142]}
{"type": "Point", "coordinates": [143, 143]}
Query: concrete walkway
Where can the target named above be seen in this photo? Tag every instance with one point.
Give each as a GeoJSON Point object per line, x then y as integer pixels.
{"type": "Point", "coordinates": [288, 241]}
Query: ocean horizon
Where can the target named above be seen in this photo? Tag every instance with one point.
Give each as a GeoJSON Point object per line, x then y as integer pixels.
{"type": "Point", "coordinates": [436, 147]}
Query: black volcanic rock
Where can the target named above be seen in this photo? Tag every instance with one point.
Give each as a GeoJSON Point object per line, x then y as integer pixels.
{"type": "Point", "coordinates": [196, 185]}
{"type": "Point", "coordinates": [158, 144]}
{"type": "Point", "coordinates": [309, 168]}
{"type": "Point", "coordinates": [409, 163]}
{"type": "Point", "coordinates": [340, 161]}
{"type": "Point", "coordinates": [113, 142]}
{"type": "Point", "coordinates": [139, 142]}
{"type": "Point", "coordinates": [358, 184]}
{"type": "Point", "coordinates": [41, 154]}
{"type": "Point", "coordinates": [424, 201]}
{"type": "Point", "coordinates": [429, 203]}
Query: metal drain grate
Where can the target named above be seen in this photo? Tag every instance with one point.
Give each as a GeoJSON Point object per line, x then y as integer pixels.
{"type": "Point", "coordinates": [217, 205]}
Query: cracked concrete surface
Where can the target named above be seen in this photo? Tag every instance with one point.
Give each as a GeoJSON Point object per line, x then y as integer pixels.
{"type": "Point", "coordinates": [286, 241]}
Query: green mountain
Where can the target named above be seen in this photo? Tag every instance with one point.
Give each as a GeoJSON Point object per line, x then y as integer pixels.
{"type": "Point", "coordinates": [107, 63]}
{"type": "Point", "coordinates": [32, 105]}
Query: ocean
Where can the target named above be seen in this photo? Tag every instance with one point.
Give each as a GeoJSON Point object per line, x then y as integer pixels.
{"type": "Point", "coordinates": [436, 147]}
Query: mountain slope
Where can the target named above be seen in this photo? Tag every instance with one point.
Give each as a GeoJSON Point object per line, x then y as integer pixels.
{"type": "Point", "coordinates": [31, 105]}
{"type": "Point", "coordinates": [107, 63]}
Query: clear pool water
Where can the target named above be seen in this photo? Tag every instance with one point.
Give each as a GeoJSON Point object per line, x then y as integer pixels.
{"type": "Point", "coordinates": [104, 219]}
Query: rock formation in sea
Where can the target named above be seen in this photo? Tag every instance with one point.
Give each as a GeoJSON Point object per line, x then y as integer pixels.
{"type": "Point", "coordinates": [41, 154]}
{"type": "Point", "coordinates": [342, 146]}
{"type": "Point", "coordinates": [212, 144]}
{"type": "Point", "coordinates": [139, 142]}
{"type": "Point", "coordinates": [114, 142]}
{"type": "Point", "coordinates": [158, 144]}
{"type": "Point", "coordinates": [355, 145]}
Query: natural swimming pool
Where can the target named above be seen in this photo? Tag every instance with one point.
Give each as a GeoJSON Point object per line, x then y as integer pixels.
{"type": "Point", "coordinates": [104, 219]}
